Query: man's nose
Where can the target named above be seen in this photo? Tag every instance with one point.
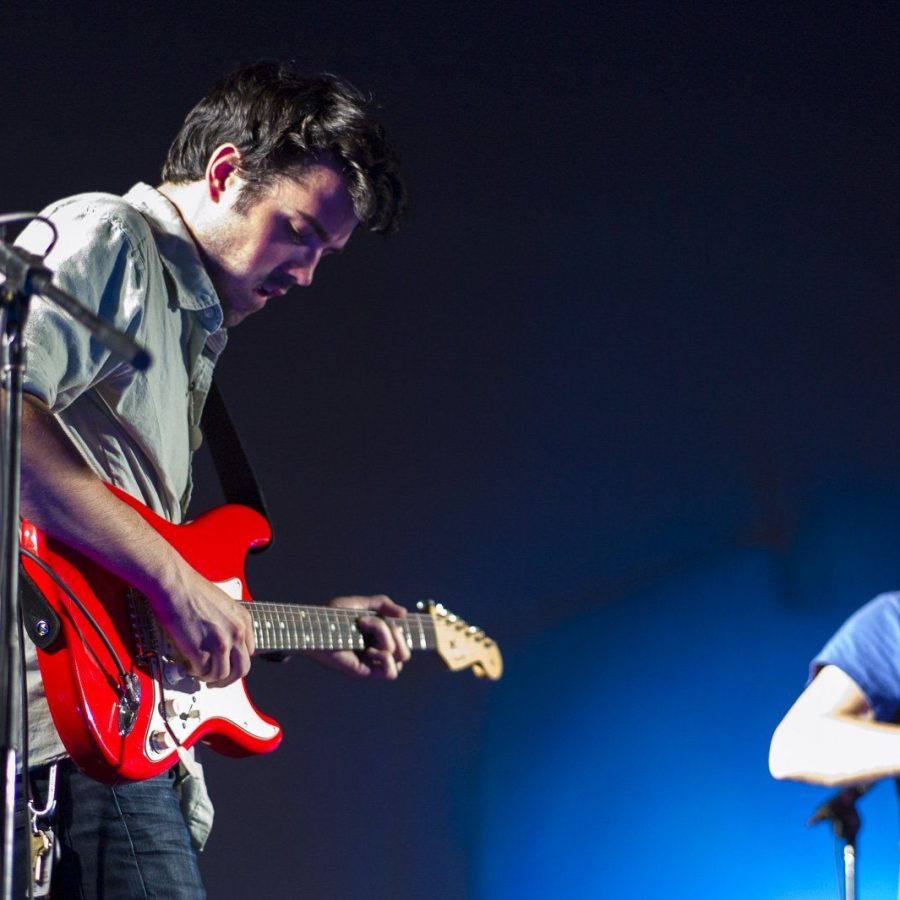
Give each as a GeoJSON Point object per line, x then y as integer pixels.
{"type": "Point", "coordinates": [303, 269]}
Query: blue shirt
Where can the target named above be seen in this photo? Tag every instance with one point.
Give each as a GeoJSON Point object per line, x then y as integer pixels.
{"type": "Point", "coordinates": [867, 648]}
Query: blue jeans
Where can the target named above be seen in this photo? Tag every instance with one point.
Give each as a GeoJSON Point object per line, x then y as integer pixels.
{"type": "Point", "coordinates": [127, 842]}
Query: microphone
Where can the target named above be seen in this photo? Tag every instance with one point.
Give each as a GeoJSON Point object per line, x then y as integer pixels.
{"type": "Point", "coordinates": [840, 810]}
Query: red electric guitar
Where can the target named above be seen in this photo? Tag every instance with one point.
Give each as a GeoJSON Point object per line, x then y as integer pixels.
{"type": "Point", "coordinates": [125, 707]}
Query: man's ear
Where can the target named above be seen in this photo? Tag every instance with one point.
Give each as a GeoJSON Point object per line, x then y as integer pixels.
{"type": "Point", "coordinates": [222, 170]}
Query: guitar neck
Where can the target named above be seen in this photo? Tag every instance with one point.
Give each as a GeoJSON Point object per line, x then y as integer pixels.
{"type": "Point", "coordinates": [291, 628]}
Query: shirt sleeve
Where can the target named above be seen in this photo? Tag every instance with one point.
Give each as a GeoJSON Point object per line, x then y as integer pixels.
{"type": "Point", "coordinates": [97, 260]}
{"type": "Point", "coordinates": [867, 648]}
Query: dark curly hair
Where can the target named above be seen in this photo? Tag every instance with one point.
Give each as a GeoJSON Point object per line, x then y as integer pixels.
{"type": "Point", "coordinates": [282, 123]}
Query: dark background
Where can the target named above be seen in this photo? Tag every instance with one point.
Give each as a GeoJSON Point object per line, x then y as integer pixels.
{"type": "Point", "coordinates": [623, 393]}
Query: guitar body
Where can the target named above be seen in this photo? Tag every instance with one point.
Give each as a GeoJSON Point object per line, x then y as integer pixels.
{"type": "Point", "coordinates": [117, 734]}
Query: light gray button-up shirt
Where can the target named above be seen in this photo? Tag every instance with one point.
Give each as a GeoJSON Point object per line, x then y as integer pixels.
{"type": "Point", "coordinates": [132, 261]}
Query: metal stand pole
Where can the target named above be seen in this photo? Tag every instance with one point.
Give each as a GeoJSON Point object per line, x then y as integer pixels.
{"type": "Point", "coordinates": [840, 810]}
{"type": "Point", "coordinates": [849, 872]}
{"type": "Point", "coordinates": [25, 276]}
{"type": "Point", "coordinates": [12, 355]}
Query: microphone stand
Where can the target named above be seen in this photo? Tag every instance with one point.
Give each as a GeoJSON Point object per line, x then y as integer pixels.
{"type": "Point", "coordinates": [25, 276]}
{"type": "Point", "coordinates": [840, 810]}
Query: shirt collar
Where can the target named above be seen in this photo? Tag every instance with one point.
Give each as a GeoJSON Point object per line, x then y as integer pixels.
{"type": "Point", "coordinates": [179, 254]}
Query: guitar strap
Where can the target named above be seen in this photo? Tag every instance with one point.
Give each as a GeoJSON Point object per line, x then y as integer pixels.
{"type": "Point", "coordinates": [41, 623]}
{"type": "Point", "coordinates": [236, 475]}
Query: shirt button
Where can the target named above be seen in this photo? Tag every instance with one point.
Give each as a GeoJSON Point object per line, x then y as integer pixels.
{"type": "Point", "coordinates": [196, 438]}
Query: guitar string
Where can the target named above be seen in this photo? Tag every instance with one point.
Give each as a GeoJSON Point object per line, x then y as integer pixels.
{"type": "Point", "coordinates": [326, 624]}
{"type": "Point", "coordinates": [330, 628]}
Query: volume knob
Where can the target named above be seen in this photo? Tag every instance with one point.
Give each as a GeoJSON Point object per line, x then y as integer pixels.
{"type": "Point", "coordinates": [161, 740]}
{"type": "Point", "coordinates": [176, 707]}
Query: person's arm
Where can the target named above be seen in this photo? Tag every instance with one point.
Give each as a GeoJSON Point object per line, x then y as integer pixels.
{"type": "Point", "coordinates": [62, 496]}
{"type": "Point", "coordinates": [829, 737]}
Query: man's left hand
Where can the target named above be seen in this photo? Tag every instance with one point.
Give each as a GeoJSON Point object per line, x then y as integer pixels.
{"type": "Point", "coordinates": [386, 649]}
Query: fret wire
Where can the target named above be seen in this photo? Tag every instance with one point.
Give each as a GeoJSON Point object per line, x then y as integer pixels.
{"type": "Point", "coordinates": [295, 631]}
{"type": "Point", "coordinates": [287, 633]}
{"type": "Point", "coordinates": [328, 627]}
{"type": "Point", "coordinates": [302, 639]}
{"type": "Point", "coordinates": [422, 642]}
{"type": "Point", "coordinates": [304, 628]}
{"type": "Point", "coordinates": [321, 641]}
{"type": "Point", "coordinates": [311, 629]}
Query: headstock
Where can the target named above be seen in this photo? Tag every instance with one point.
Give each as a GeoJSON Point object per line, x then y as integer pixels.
{"type": "Point", "coordinates": [461, 645]}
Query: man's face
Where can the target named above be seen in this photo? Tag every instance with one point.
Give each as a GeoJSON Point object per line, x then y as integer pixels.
{"type": "Point", "coordinates": [260, 253]}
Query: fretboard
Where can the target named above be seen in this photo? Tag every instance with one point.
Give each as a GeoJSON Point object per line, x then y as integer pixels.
{"type": "Point", "coordinates": [290, 628]}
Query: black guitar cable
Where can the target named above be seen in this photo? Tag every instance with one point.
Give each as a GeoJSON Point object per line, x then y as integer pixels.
{"type": "Point", "coordinates": [127, 686]}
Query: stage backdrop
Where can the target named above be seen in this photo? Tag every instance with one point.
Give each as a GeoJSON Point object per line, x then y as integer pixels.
{"type": "Point", "coordinates": [623, 393]}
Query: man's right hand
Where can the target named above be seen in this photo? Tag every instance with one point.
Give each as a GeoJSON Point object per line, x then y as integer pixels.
{"type": "Point", "coordinates": [212, 632]}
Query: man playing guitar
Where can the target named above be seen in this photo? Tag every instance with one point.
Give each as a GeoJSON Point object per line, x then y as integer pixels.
{"type": "Point", "coordinates": [269, 173]}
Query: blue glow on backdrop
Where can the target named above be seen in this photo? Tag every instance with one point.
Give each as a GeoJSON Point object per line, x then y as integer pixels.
{"type": "Point", "coordinates": [627, 752]}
